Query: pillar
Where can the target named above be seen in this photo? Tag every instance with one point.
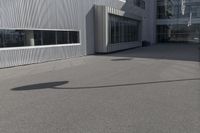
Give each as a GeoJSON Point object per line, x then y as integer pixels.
{"type": "Point", "coordinates": [30, 38]}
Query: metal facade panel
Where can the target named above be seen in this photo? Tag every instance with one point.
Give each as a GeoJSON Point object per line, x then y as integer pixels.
{"type": "Point", "coordinates": [25, 56]}
{"type": "Point", "coordinates": [39, 14]}
{"type": "Point", "coordinates": [49, 14]}
{"type": "Point", "coordinates": [59, 14]}
{"type": "Point", "coordinates": [102, 27]}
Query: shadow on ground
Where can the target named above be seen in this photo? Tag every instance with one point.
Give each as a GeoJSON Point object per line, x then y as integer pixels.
{"type": "Point", "coordinates": [182, 52]}
{"type": "Point", "coordinates": [122, 59]}
{"type": "Point", "coordinates": [55, 85]}
{"type": "Point", "coordinates": [51, 85]}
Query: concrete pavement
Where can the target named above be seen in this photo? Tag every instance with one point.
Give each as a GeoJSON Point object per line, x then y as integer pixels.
{"type": "Point", "coordinates": [145, 90]}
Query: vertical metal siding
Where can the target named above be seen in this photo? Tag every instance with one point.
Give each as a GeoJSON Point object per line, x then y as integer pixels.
{"type": "Point", "coordinates": [50, 14]}
{"type": "Point", "coordinates": [24, 56]}
{"type": "Point", "coordinates": [53, 14]}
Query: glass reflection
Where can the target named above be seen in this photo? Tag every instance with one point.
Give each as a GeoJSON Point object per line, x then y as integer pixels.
{"type": "Point", "coordinates": [18, 38]}
{"type": "Point", "coordinates": [168, 9]}
{"type": "Point", "coordinates": [178, 33]}
{"type": "Point", "coordinates": [123, 29]}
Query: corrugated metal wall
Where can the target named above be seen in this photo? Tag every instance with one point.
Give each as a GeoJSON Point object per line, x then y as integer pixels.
{"type": "Point", "coordinates": [24, 56]}
{"type": "Point", "coordinates": [49, 14]}
{"type": "Point", "coordinates": [54, 14]}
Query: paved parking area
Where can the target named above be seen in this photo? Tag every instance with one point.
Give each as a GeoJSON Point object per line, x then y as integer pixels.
{"type": "Point", "coordinates": [145, 90]}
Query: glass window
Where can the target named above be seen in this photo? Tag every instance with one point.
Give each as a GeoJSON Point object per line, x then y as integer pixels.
{"type": "Point", "coordinates": [12, 38]}
{"type": "Point", "coordinates": [17, 38]}
{"type": "Point", "coordinates": [38, 38]}
{"type": "Point", "coordinates": [121, 32]}
{"type": "Point", "coordinates": [74, 37]}
{"type": "Point", "coordinates": [117, 32]}
{"type": "Point", "coordinates": [171, 10]}
{"type": "Point", "coordinates": [140, 3]}
{"type": "Point", "coordinates": [112, 31]}
{"type": "Point", "coordinates": [49, 37]}
{"type": "Point", "coordinates": [66, 37]}
{"type": "Point", "coordinates": [123, 29]}
{"type": "Point", "coordinates": [63, 37]}
{"type": "Point", "coordinates": [1, 38]}
{"type": "Point", "coordinates": [178, 33]}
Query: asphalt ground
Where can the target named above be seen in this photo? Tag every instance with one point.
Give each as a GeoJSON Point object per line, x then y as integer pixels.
{"type": "Point", "coordinates": [145, 90]}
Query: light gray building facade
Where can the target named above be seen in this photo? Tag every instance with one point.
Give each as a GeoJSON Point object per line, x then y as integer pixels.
{"type": "Point", "coordinates": [35, 31]}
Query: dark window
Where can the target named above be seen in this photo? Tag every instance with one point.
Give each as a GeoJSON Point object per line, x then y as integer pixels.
{"type": "Point", "coordinates": [12, 38]}
{"type": "Point", "coordinates": [17, 38]}
{"type": "Point", "coordinates": [38, 38]}
{"type": "Point", "coordinates": [172, 10]}
{"type": "Point", "coordinates": [1, 38]}
{"type": "Point", "coordinates": [66, 37]}
{"type": "Point", "coordinates": [49, 37]}
{"type": "Point", "coordinates": [140, 3]}
{"type": "Point", "coordinates": [74, 37]}
{"type": "Point", "coordinates": [63, 37]}
{"type": "Point", "coordinates": [123, 29]}
{"type": "Point", "coordinates": [117, 34]}
{"type": "Point", "coordinates": [112, 31]}
{"type": "Point", "coordinates": [178, 33]}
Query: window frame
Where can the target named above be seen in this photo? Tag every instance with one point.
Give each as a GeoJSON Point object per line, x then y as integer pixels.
{"type": "Point", "coordinates": [42, 45]}
{"type": "Point", "coordinates": [126, 33]}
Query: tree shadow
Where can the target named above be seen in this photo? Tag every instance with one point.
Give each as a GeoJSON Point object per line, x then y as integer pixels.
{"type": "Point", "coordinates": [55, 85]}
{"type": "Point", "coordinates": [40, 86]}
{"type": "Point", "coordinates": [133, 84]}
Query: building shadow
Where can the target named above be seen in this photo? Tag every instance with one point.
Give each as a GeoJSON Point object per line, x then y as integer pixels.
{"type": "Point", "coordinates": [182, 52]}
{"type": "Point", "coordinates": [40, 86]}
{"type": "Point", "coordinates": [55, 85]}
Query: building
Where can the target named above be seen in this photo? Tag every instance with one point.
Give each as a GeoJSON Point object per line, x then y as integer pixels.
{"type": "Point", "coordinates": [35, 31]}
{"type": "Point", "coordinates": [177, 23]}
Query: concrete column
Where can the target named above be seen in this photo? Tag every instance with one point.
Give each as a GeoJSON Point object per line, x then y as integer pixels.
{"type": "Point", "coordinates": [30, 38]}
